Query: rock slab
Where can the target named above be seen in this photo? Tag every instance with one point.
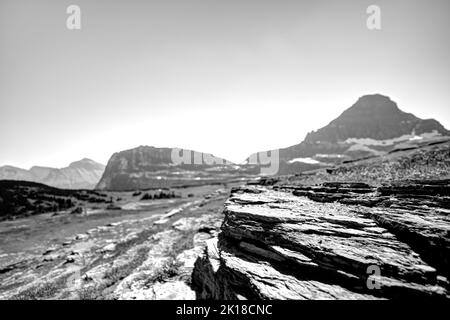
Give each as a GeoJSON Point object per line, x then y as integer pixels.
{"type": "Point", "coordinates": [334, 241]}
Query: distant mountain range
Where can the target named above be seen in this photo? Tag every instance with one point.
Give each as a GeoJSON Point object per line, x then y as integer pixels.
{"type": "Point", "coordinates": [83, 174]}
{"type": "Point", "coordinates": [373, 126]}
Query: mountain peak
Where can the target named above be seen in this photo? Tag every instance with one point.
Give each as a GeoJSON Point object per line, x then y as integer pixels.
{"type": "Point", "coordinates": [374, 97]}
{"type": "Point", "coordinates": [373, 116]}
{"type": "Point", "coordinates": [374, 104]}
{"type": "Point", "coordinates": [86, 164]}
{"type": "Point", "coordinates": [372, 125]}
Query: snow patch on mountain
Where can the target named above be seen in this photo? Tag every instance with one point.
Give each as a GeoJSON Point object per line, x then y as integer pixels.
{"type": "Point", "coordinates": [305, 160]}
{"type": "Point", "coordinates": [390, 142]}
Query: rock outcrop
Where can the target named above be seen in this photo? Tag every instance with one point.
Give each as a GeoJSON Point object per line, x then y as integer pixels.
{"type": "Point", "coordinates": [333, 241]}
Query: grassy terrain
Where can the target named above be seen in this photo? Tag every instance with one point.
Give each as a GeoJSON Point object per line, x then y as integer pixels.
{"type": "Point", "coordinates": [425, 163]}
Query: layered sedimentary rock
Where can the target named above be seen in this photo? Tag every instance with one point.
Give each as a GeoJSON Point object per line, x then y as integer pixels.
{"type": "Point", "coordinates": [333, 241]}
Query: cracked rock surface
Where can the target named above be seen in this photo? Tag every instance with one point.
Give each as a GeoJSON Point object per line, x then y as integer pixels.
{"type": "Point", "coordinates": [333, 241]}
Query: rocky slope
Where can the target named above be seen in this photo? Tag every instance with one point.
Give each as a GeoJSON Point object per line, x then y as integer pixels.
{"type": "Point", "coordinates": [331, 241]}
{"type": "Point", "coordinates": [373, 126]}
{"type": "Point", "coordinates": [151, 167]}
{"type": "Point", "coordinates": [83, 174]}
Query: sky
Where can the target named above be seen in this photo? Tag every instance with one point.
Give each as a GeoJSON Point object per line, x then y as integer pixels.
{"type": "Point", "coordinates": [223, 77]}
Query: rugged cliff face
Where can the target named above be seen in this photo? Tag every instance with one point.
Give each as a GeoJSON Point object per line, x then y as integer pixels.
{"type": "Point", "coordinates": [83, 174]}
{"type": "Point", "coordinates": [333, 241]}
{"type": "Point", "coordinates": [151, 167]}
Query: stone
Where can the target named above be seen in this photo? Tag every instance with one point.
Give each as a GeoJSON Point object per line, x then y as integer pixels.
{"type": "Point", "coordinates": [49, 250]}
{"type": "Point", "coordinates": [81, 236]}
{"type": "Point", "coordinates": [313, 243]}
{"type": "Point", "coordinates": [109, 248]}
{"type": "Point", "coordinates": [50, 257]}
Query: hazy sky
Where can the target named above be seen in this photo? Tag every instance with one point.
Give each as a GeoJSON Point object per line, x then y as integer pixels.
{"type": "Point", "coordinates": [226, 77]}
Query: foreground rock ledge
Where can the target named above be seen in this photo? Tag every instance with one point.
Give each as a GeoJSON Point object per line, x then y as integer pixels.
{"type": "Point", "coordinates": [335, 241]}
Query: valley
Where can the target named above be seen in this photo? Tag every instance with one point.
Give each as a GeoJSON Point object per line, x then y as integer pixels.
{"type": "Point", "coordinates": [145, 250]}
